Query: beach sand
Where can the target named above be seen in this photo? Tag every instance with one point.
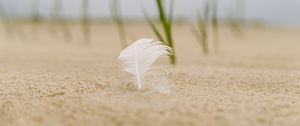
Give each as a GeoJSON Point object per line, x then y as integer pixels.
{"type": "Point", "coordinates": [46, 80]}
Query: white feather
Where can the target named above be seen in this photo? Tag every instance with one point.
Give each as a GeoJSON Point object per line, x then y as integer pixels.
{"type": "Point", "coordinates": [138, 58]}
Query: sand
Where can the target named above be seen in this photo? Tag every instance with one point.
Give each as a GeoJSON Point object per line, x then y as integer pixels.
{"type": "Point", "coordinates": [46, 80]}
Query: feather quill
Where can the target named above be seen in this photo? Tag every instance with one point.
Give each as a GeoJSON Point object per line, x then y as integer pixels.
{"type": "Point", "coordinates": [138, 58]}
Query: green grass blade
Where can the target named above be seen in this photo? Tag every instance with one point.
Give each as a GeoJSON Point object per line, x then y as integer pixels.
{"type": "Point", "coordinates": [152, 25]}
{"type": "Point", "coordinates": [167, 25]}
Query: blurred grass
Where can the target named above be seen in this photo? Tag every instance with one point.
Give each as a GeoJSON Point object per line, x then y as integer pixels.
{"type": "Point", "coordinates": [215, 25]}
{"type": "Point", "coordinates": [117, 19]}
{"type": "Point", "coordinates": [6, 23]}
{"type": "Point", "coordinates": [236, 19]}
{"type": "Point", "coordinates": [202, 32]}
{"type": "Point", "coordinates": [60, 21]}
{"type": "Point", "coordinates": [85, 22]}
{"type": "Point", "coordinates": [35, 11]}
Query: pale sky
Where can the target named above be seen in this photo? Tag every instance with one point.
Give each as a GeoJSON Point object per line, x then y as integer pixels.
{"type": "Point", "coordinates": [272, 11]}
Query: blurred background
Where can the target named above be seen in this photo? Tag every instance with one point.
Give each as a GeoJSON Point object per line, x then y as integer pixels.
{"type": "Point", "coordinates": [116, 23]}
{"type": "Point", "coordinates": [269, 11]}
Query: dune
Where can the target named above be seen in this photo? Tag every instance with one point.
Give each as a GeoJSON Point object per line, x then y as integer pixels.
{"type": "Point", "coordinates": [46, 80]}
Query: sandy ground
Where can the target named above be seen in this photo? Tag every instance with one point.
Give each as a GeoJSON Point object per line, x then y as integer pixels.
{"type": "Point", "coordinates": [46, 80]}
